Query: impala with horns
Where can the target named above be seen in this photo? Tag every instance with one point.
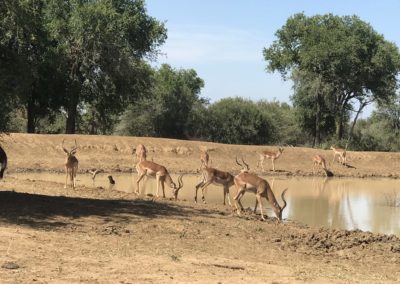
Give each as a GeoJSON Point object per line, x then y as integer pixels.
{"type": "Point", "coordinates": [3, 162]}
{"type": "Point", "coordinates": [71, 165]}
{"type": "Point", "coordinates": [248, 182]}
{"type": "Point", "coordinates": [269, 155]}
{"type": "Point", "coordinates": [148, 168]}
{"type": "Point", "coordinates": [216, 177]}
{"type": "Point", "coordinates": [140, 153]}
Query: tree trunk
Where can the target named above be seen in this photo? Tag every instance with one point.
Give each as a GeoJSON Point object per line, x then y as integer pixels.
{"type": "Point", "coordinates": [362, 105]}
{"type": "Point", "coordinates": [317, 140]}
{"type": "Point", "coordinates": [72, 113]}
{"type": "Point", "coordinates": [30, 109]}
{"type": "Point", "coordinates": [339, 122]}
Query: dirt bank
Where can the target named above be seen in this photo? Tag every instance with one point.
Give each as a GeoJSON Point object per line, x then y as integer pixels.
{"type": "Point", "coordinates": [114, 153]}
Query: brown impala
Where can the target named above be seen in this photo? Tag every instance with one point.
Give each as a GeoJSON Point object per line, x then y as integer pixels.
{"type": "Point", "coordinates": [246, 181]}
{"type": "Point", "coordinates": [71, 165]}
{"type": "Point", "coordinates": [217, 177]}
{"type": "Point", "coordinates": [148, 168]}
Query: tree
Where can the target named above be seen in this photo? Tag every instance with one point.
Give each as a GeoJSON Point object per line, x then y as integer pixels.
{"type": "Point", "coordinates": [103, 43]}
{"type": "Point", "coordinates": [28, 61]}
{"type": "Point", "coordinates": [283, 126]}
{"type": "Point", "coordinates": [381, 131]}
{"type": "Point", "coordinates": [239, 121]}
{"type": "Point", "coordinates": [310, 107]}
{"type": "Point", "coordinates": [170, 107]}
{"type": "Point", "coordinates": [345, 52]}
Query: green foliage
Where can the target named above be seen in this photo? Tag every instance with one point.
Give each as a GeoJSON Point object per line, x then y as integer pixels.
{"type": "Point", "coordinates": [381, 131]}
{"type": "Point", "coordinates": [284, 128]}
{"type": "Point", "coordinates": [103, 43]}
{"type": "Point", "coordinates": [239, 121]}
{"type": "Point", "coordinates": [170, 108]}
{"type": "Point", "coordinates": [346, 53]}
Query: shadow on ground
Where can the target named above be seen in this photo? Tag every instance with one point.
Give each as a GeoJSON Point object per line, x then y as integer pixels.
{"type": "Point", "coordinates": [52, 212]}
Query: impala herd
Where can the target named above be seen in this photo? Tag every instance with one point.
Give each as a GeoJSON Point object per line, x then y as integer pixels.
{"type": "Point", "coordinates": [244, 181]}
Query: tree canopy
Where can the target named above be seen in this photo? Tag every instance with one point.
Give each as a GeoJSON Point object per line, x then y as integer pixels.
{"type": "Point", "coordinates": [345, 53]}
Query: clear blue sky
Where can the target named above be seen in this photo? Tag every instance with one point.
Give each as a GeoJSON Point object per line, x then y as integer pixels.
{"type": "Point", "coordinates": [223, 39]}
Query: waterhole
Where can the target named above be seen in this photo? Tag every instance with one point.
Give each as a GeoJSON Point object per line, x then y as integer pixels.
{"type": "Point", "coordinates": [343, 203]}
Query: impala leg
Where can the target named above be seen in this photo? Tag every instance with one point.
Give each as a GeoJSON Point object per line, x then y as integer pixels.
{"type": "Point", "coordinates": [273, 165]}
{"type": "Point", "coordinates": [75, 171]}
{"type": "Point", "coordinates": [66, 177]}
{"type": "Point", "coordinates": [255, 206]}
{"type": "Point", "coordinates": [240, 193]}
{"type": "Point", "coordinates": [138, 181]}
{"type": "Point", "coordinates": [197, 188]}
{"type": "Point", "coordinates": [158, 184]}
{"type": "Point", "coordinates": [259, 201]}
{"type": "Point", "coordinates": [203, 188]}
{"type": "Point", "coordinates": [226, 193]}
{"type": "Point", "coordinates": [160, 181]}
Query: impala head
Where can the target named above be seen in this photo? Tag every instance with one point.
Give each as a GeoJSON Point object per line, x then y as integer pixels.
{"type": "Point", "coordinates": [175, 189]}
{"type": "Point", "coordinates": [332, 147]}
{"type": "Point", "coordinates": [245, 166]}
{"type": "Point", "coordinates": [72, 152]}
{"type": "Point", "coordinates": [280, 150]}
{"type": "Point", "coordinates": [277, 208]}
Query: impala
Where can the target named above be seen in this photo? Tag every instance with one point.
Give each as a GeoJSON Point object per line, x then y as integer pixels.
{"type": "Point", "coordinates": [246, 181]}
{"type": "Point", "coordinates": [339, 152]}
{"type": "Point", "coordinates": [71, 165]}
{"type": "Point", "coordinates": [3, 162]}
{"type": "Point", "coordinates": [269, 155]}
{"type": "Point", "coordinates": [94, 173]}
{"type": "Point", "coordinates": [148, 168]}
{"type": "Point", "coordinates": [318, 160]}
{"type": "Point", "coordinates": [140, 152]}
{"type": "Point", "coordinates": [217, 177]}
{"type": "Point", "coordinates": [204, 158]}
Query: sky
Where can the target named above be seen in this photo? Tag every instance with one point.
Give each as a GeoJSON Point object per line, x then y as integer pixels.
{"type": "Point", "coordinates": [223, 40]}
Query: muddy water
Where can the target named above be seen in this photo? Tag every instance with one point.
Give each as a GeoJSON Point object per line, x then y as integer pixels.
{"type": "Point", "coordinates": [365, 204]}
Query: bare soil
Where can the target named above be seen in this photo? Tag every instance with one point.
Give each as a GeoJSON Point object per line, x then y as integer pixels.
{"type": "Point", "coordinates": [91, 236]}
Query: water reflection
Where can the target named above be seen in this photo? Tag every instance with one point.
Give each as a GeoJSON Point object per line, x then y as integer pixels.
{"type": "Point", "coordinates": [336, 203]}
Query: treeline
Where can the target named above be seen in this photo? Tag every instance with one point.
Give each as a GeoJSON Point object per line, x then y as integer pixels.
{"type": "Point", "coordinates": [82, 66]}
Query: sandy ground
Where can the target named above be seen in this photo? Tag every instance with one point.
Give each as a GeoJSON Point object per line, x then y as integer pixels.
{"type": "Point", "coordinates": [92, 236]}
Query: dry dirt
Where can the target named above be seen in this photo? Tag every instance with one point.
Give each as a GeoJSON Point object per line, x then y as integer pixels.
{"type": "Point", "coordinates": [93, 237]}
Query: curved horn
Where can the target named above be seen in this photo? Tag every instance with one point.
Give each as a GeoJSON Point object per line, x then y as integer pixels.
{"type": "Point", "coordinates": [76, 147]}
{"type": "Point", "coordinates": [237, 162]}
{"type": "Point", "coordinates": [284, 200]}
{"type": "Point", "coordinates": [62, 146]}
{"type": "Point", "coordinates": [180, 182]}
{"type": "Point", "coordinates": [247, 166]}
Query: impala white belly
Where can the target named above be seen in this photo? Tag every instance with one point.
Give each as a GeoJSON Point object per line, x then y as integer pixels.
{"type": "Point", "coordinates": [250, 188]}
